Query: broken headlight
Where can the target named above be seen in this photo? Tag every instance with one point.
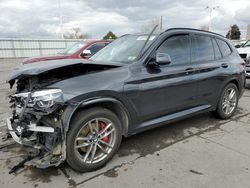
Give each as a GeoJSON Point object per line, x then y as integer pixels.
{"type": "Point", "coordinates": [41, 99]}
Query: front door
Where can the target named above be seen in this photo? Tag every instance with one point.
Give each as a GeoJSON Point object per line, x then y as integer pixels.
{"type": "Point", "coordinates": [166, 89]}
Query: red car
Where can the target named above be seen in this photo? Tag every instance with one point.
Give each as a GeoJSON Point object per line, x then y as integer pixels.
{"type": "Point", "coordinates": [78, 51]}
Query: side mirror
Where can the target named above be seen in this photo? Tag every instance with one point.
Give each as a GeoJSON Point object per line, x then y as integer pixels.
{"type": "Point", "coordinates": [85, 53]}
{"type": "Point", "coordinates": [162, 58]}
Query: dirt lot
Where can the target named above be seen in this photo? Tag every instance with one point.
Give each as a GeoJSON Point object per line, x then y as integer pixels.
{"type": "Point", "coordinates": [198, 152]}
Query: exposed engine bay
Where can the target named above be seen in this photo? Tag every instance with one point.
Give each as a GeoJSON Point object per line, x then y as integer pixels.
{"type": "Point", "coordinates": [37, 112]}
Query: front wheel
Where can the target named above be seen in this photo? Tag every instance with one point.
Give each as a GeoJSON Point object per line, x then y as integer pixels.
{"type": "Point", "coordinates": [228, 101]}
{"type": "Point", "coordinates": [94, 137]}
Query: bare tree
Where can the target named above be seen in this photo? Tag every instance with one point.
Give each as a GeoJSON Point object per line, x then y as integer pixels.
{"type": "Point", "coordinates": [76, 33]}
{"type": "Point", "coordinates": [149, 25]}
{"type": "Point", "coordinates": [68, 35]}
{"type": "Point", "coordinates": [204, 27]}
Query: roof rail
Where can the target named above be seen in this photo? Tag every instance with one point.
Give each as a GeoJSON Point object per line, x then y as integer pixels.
{"type": "Point", "coordinates": [179, 28]}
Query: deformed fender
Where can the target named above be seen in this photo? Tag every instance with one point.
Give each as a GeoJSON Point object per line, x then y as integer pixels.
{"type": "Point", "coordinates": [71, 109]}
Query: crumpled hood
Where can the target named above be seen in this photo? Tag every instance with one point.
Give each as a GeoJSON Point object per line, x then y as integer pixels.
{"type": "Point", "coordinates": [244, 50]}
{"type": "Point", "coordinates": [45, 66]}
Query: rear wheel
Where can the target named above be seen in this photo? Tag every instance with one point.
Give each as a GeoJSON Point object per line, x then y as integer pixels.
{"type": "Point", "coordinates": [93, 139]}
{"type": "Point", "coordinates": [228, 101]}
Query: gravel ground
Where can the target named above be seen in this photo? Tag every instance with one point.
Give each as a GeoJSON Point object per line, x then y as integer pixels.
{"type": "Point", "coordinates": [197, 152]}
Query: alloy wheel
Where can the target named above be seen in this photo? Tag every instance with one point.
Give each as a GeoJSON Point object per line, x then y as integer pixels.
{"type": "Point", "coordinates": [229, 101]}
{"type": "Point", "coordinates": [95, 140]}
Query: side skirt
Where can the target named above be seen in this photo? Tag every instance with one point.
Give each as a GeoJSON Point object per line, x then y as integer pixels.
{"type": "Point", "coordinates": [169, 118]}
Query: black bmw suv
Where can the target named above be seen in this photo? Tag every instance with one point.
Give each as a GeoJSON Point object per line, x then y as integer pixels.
{"type": "Point", "coordinates": [78, 111]}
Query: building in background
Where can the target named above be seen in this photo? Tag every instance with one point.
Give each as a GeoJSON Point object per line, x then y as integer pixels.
{"type": "Point", "coordinates": [248, 32]}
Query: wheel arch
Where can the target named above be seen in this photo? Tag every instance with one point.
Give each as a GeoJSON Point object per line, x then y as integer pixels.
{"type": "Point", "coordinates": [109, 103]}
{"type": "Point", "coordinates": [236, 82]}
{"type": "Point", "coordinates": [232, 80]}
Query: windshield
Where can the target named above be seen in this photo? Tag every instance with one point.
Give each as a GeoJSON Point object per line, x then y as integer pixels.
{"type": "Point", "coordinates": [73, 49]}
{"type": "Point", "coordinates": [247, 44]}
{"type": "Point", "coordinates": [124, 49]}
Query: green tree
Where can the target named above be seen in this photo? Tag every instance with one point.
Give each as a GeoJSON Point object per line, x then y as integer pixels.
{"type": "Point", "coordinates": [234, 32]}
{"type": "Point", "coordinates": [110, 35]}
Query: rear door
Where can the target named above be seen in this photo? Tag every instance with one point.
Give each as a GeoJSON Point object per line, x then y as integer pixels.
{"type": "Point", "coordinates": [211, 68]}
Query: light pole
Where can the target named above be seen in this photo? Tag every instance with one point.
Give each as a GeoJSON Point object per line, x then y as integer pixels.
{"type": "Point", "coordinates": [61, 19]}
{"type": "Point", "coordinates": [161, 24]}
{"type": "Point", "coordinates": [211, 9]}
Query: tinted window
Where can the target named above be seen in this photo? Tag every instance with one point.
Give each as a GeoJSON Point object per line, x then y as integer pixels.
{"type": "Point", "coordinates": [203, 49]}
{"type": "Point", "coordinates": [225, 49]}
{"type": "Point", "coordinates": [178, 47]}
{"type": "Point", "coordinates": [96, 47]}
{"type": "Point", "coordinates": [217, 53]}
{"type": "Point", "coordinates": [73, 49]}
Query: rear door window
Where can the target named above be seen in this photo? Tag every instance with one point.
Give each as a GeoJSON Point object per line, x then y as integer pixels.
{"type": "Point", "coordinates": [224, 48]}
{"type": "Point", "coordinates": [178, 48]}
{"type": "Point", "coordinates": [202, 49]}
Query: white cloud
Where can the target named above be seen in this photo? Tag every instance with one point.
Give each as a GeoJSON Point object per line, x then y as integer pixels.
{"type": "Point", "coordinates": [40, 18]}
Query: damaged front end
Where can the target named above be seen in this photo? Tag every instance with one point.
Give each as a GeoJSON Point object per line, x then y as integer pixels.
{"type": "Point", "coordinates": [36, 122]}
{"type": "Point", "coordinates": [41, 112]}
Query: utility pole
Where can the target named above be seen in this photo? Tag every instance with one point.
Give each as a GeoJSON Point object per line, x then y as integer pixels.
{"type": "Point", "coordinates": [61, 19]}
{"type": "Point", "coordinates": [211, 9]}
{"type": "Point", "coordinates": [161, 23]}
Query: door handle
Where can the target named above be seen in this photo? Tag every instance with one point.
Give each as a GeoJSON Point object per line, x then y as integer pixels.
{"type": "Point", "coordinates": [224, 65]}
{"type": "Point", "coordinates": [189, 70]}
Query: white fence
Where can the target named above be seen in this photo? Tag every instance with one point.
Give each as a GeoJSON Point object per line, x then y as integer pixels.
{"type": "Point", "coordinates": [16, 48]}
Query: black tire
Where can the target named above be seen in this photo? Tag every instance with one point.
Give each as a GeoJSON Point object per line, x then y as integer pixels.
{"type": "Point", "coordinates": [219, 111]}
{"type": "Point", "coordinates": [77, 124]}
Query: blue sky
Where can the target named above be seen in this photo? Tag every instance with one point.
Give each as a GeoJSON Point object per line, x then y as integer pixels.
{"type": "Point", "coordinates": [41, 18]}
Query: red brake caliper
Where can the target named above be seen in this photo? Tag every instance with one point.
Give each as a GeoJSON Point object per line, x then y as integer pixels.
{"type": "Point", "coordinates": [102, 126]}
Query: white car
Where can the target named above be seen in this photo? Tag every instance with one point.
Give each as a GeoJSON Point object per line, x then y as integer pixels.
{"type": "Point", "coordinates": [244, 52]}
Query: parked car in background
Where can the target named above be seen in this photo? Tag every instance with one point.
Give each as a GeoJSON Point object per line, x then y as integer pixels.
{"type": "Point", "coordinates": [80, 50]}
{"type": "Point", "coordinates": [244, 52]}
{"type": "Point", "coordinates": [78, 111]}
{"type": "Point", "coordinates": [238, 44]}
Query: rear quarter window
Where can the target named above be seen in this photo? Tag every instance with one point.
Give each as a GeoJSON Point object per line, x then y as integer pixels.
{"type": "Point", "coordinates": [217, 53]}
{"type": "Point", "coordinates": [224, 48]}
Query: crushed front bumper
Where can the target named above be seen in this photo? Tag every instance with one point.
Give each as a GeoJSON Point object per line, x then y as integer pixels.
{"type": "Point", "coordinates": [41, 138]}
{"type": "Point", "coordinates": [12, 132]}
{"type": "Point", "coordinates": [31, 127]}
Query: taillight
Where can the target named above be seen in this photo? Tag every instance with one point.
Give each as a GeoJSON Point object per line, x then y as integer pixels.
{"type": "Point", "coordinates": [243, 64]}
